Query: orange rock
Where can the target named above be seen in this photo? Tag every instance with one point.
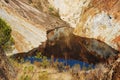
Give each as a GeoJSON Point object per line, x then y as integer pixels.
{"type": "Point", "coordinates": [117, 39]}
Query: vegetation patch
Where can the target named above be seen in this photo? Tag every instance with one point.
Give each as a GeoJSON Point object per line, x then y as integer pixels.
{"type": "Point", "coordinates": [5, 35]}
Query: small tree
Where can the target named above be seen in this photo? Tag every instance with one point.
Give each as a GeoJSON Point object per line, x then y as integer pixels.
{"type": "Point", "coordinates": [45, 63]}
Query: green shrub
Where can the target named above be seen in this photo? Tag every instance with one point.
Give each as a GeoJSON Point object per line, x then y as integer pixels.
{"type": "Point", "coordinates": [25, 77]}
{"type": "Point", "coordinates": [30, 68]}
{"type": "Point", "coordinates": [5, 35]}
{"type": "Point", "coordinates": [45, 63]}
{"type": "Point", "coordinates": [51, 9]}
{"type": "Point", "coordinates": [39, 55]}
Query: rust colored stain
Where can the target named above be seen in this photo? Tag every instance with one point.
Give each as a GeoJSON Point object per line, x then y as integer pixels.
{"type": "Point", "coordinates": [104, 4]}
{"type": "Point", "coordinates": [84, 16]}
{"type": "Point", "coordinates": [117, 39]}
{"type": "Point", "coordinates": [112, 7]}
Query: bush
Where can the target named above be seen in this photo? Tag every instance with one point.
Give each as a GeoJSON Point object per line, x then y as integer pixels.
{"type": "Point", "coordinates": [25, 77]}
{"type": "Point", "coordinates": [5, 35]}
{"type": "Point", "coordinates": [45, 63]}
{"type": "Point", "coordinates": [39, 55]}
{"type": "Point", "coordinates": [53, 11]}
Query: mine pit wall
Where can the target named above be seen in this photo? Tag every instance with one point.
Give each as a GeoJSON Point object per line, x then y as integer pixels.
{"type": "Point", "coordinates": [96, 30]}
{"type": "Point", "coordinates": [98, 19]}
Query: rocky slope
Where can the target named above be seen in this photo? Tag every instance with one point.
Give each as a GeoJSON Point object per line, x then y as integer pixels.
{"type": "Point", "coordinates": [28, 24]}
{"type": "Point", "coordinates": [95, 35]}
{"type": "Point", "coordinates": [98, 19]}
{"type": "Point", "coordinates": [90, 18]}
{"type": "Point", "coordinates": [30, 19]}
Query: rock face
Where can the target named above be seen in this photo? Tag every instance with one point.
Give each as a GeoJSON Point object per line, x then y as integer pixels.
{"type": "Point", "coordinates": [28, 24]}
{"type": "Point", "coordinates": [98, 19]}
{"type": "Point", "coordinates": [70, 10]}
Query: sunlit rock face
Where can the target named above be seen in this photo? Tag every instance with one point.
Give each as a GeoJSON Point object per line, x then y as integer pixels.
{"type": "Point", "coordinates": [26, 35]}
{"type": "Point", "coordinates": [98, 19]}
{"type": "Point", "coordinates": [100, 27]}
{"type": "Point", "coordinates": [28, 24]}
{"type": "Point", "coordinates": [70, 10]}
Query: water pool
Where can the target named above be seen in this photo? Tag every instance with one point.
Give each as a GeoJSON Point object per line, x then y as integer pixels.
{"type": "Point", "coordinates": [69, 62]}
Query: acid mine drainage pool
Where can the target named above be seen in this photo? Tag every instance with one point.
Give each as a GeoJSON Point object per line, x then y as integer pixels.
{"type": "Point", "coordinates": [70, 49]}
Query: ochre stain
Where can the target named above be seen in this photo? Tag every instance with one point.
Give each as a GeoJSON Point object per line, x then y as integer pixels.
{"type": "Point", "coordinates": [117, 39]}
{"type": "Point", "coordinates": [112, 7]}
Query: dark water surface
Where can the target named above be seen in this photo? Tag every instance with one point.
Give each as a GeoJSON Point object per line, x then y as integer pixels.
{"type": "Point", "coordinates": [70, 62]}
